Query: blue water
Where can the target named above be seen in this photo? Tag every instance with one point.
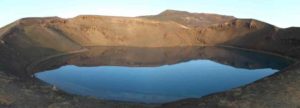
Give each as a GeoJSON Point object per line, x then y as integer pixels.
{"type": "Point", "coordinates": [160, 84]}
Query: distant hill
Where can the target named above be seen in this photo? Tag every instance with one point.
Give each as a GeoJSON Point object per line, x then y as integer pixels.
{"type": "Point", "coordinates": [194, 20]}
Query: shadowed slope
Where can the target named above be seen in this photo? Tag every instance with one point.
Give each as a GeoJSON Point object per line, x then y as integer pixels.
{"type": "Point", "coordinates": [29, 40]}
{"type": "Point", "coordinates": [32, 39]}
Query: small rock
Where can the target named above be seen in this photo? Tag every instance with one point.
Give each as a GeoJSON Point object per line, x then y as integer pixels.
{"type": "Point", "coordinates": [252, 25]}
{"type": "Point", "coordinates": [4, 100]}
{"type": "Point", "coordinates": [54, 88]}
{"type": "Point", "coordinates": [2, 42]}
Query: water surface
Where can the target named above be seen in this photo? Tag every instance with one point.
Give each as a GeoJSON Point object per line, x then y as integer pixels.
{"type": "Point", "coordinates": [200, 72]}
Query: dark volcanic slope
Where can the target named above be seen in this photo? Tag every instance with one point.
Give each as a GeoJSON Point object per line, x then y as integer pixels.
{"type": "Point", "coordinates": [169, 28]}
{"type": "Point", "coordinates": [253, 34]}
{"type": "Point", "coordinates": [31, 39]}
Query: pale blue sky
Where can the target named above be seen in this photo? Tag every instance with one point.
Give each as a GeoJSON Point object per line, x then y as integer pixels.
{"type": "Point", "coordinates": [282, 13]}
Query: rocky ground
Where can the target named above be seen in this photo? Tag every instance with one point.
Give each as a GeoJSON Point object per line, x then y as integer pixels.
{"type": "Point", "coordinates": [280, 90]}
{"type": "Point", "coordinates": [16, 93]}
{"type": "Point", "coordinates": [31, 39]}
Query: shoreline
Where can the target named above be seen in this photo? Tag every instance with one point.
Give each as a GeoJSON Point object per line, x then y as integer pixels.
{"type": "Point", "coordinates": [176, 104]}
{"type": "Point", "coordinates": [85, 49]}
{"type": "Point", "coordinates": [29, 67]}
{"type": "Point", "coordinates": [261, 51]}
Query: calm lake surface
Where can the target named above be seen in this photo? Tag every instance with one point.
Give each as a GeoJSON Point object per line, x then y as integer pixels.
{"type": "Point", "coordinates": [129, 74]}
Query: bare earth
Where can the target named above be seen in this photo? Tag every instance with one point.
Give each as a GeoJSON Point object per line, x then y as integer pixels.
{"type": "Point", "coordinates": [30, 40]}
